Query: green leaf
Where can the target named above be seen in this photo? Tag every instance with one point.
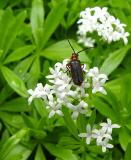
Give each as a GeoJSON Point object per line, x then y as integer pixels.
{"type": "Point", "coordinates": [3, 3]}
{"type": "Point", "coordinates": [37, 134]}
{"type": "Point", "coordinates": [6, 92]}
{"type": "Point", "coordinates": [62, 50]}
{"type": "Point", "coordinates": [113, 61]}
{"type": "Point", "coordinates": [23, 66]}
{"type": "Point", "coordinates": [73, 13]}
{"type": "Point", "coordinates": [41, 109]}
{"type": "Point", "coordinates": [1, 52]}
{"type": "Point", "coordinates": [124, 137]}
{"type": "Point", "coordinates": [39, 154]}
{"type": "Point", "coordinates": [125, 97]}
{"type": "Point", "coordinates": [20, 152]}
{"type": "Point", "coordinates": [128, 152]}
{"type": "Point", "coordinates": [34, 72]}
{"type": "Point", "coordinates": [104, 108]}
{"type": "Point", "coordinates": [81, 123]}
{"type": "Point", "coordinates": [35, 68]}
{"type": "Point", "coordinates": [69, 143]}
{"type": "Point", "coordinates": [11, 142]}
{"type": "Point", "coordinates": [14, 81]}
{"type": "Point", "coordinates": [70, 123]}
{"type": "Point", "coordinates": [120, 4]}
{"type": "Point", "coordinates": [12, 119]}
{"type": "Point", "coordinates": [64, 154]}
{"type": "Point", "coordinates": [29, 121]}
{"type": "Point", "coordinates": [5, 22]}
{"type": "Point", "coordinates": [12, 31]}
{"type": "Point", "coordinates": [15, 105]}
{"type": "Point", "coordinates": [37, 20]}
{"type": "Point", "coordinates": [53, 20]}
{"type": "Point", "coordinates": [19, 53]}
{"type": "Point", "coordinates": [113, 102]}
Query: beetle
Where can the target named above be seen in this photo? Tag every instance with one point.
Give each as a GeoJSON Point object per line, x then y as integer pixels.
{"type": "Point", "coordinates": [75, 67]}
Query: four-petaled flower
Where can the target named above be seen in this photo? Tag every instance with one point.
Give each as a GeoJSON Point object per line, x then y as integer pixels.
{"type": "Point", "coordinates": [107, 127]}
{"type": "Point", "coordinates": [87, 135]}
{"type": "Point", "coordinates": [80, 108]}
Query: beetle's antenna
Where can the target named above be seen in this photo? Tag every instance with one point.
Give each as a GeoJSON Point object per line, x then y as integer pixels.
{"type": "Point", "coordinates": [71, 46]}
{"type": "Point", "coordinates": [82, 50]}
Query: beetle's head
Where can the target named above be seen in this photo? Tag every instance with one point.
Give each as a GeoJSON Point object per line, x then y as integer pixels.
{"type": "Point", "coordinates": [74, 56]}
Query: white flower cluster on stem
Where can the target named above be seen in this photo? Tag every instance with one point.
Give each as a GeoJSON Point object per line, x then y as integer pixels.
{"type": "Point", "coordinates": [102, 135]}
{"type": "Point", "coordinates": [62, 92]}
{"type": "Point", "coordinates": [99, 20]}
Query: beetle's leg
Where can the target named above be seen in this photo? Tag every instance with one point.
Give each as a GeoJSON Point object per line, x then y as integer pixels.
{"type": "Point", "coordinates": [82, 66]}
{"type": "Point", "coordinates": [68, 68]}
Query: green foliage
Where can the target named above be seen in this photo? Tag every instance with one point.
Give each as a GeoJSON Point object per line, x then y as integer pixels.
{"type": "Point", "coordinates": [33, 36]}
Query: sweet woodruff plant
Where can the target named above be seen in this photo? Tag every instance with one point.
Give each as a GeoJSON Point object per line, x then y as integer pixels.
{"type": "Point", "coordinates": [62, 92]}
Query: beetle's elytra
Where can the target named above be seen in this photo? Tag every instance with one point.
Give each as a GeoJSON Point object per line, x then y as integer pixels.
{"type": "Point", "coordinates": [76, 68]}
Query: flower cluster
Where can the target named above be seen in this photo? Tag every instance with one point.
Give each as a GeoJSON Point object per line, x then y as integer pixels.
{"type": "Point", "coordinates": [102, 135]}
{"type": "Point", "coordinates": [99, 20]}
{"type": "Point", "coordinates": [63, 92]}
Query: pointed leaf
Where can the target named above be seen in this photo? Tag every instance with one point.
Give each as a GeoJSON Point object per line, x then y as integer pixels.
{"type": "Point", "coordinates": [128, 152]}
{"type": "Point", "coordinates": [53, 20]}
{"type": "Point", "coordinates": [12, 31]}
{"type": "Point", "coordinates": [11, 142]}
{"type": "Point", "coordinates": [15, 105]}
{"type": "Point", "coordinates": [64, 154]}
{"type": "Point", "coordinates": [113, 61]}
{"type": "Point", "coordinates": [14, 81]}
{"type": "Point", "coordinates": [37, 20]}
{"type": "Point", "coordinates": [40, 154]}
{"type": "Point", "coordinates": [70, 123]}
{"type": "Point", "coordinates": [19, 53]}
{"type": "Point", "coordinates": [124, 138]}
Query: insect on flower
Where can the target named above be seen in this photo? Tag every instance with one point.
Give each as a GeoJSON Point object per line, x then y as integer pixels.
{"type": "Point", "coordinates": [75, 67]}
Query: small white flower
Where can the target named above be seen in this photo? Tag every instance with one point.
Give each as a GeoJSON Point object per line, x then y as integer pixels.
{"type": "Point", "coordinates": [93, 72]}
{"type": "Point", "coordinates": [87, 41]}
{"type": "Point", "coordinates": [55, 108]}
{"type": "Point", "coordinates": [107, 127]}
{"type": "Point", "coordinates": [40, 92]}
{"type": "Point", "coordinates": [99, 135]}
{"type": "Point", "coordinates": [80, 108]}
{"type": "Point", "coordinates": [105, 145]}
{"type": "Point", "coordinates": [87, 135]}
{"type": "Point", "coordinates": [98, 80]}
{"type": "Point", "coordinates": [97, 86]}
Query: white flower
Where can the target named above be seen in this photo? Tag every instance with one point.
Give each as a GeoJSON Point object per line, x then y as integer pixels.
{"type": "Point", "coordinates": [99, 135]}
{"type": "Point", "coordinates": [87, 135]}
{"type": "Point", "coordinates": [40, 92]}
{"type": "Point", "coordinates": [87, 41]}
{"type": "Point", "coordinates": [63, 92]}
{"type": "Point", "coordinates": [101, 21]}
{"type": "Point", "coordinates": [102, 135]}
{"type": "Point", "coordinates": [98, 80]}
{"type": "Point", "coordinates": [80, 108]}
{"type": "Point", "coordinates": [55, 108]}
{"type": "Point", "coordinates": [105, 145]}
{"type": "Point", "coordinates": [107, 127]}
{"type": "Point", "coordinates": [97, 86]}
{"type": "Point", "coordinates": [93, 72]}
